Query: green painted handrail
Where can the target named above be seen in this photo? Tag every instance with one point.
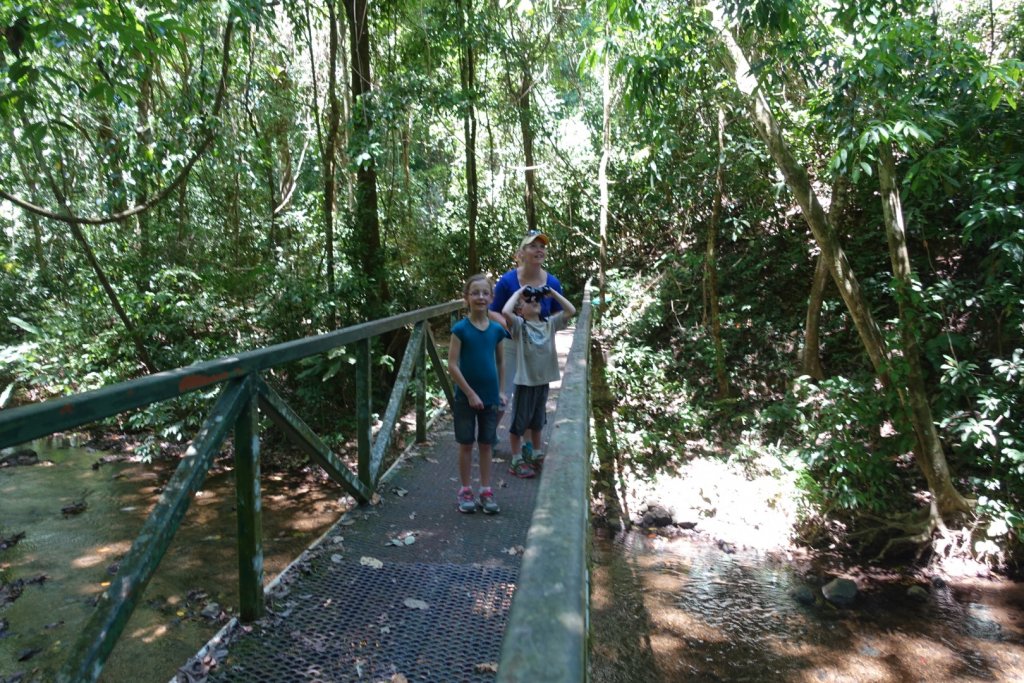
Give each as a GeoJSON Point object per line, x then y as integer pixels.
{"type": "Point", "coordinates": [19, 425]}
{"type": "Point", "coordinates": [546, 637]}
{"type": "Point", "coordinates": [235, 410]}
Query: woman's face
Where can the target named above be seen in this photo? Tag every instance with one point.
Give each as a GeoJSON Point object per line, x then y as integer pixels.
{"type": "Point", "coordinates": [533, 253]}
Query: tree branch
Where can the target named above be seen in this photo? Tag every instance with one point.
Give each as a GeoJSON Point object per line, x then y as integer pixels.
{"type": "Point", "coordinates": [163, 194]}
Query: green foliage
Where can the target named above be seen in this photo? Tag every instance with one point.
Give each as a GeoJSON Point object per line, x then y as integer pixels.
{"type": "Point", "coordinates": [103, 104]}
{"type": "Point", "coordinates": [655, 410]}
{"type": "Point", "coordinates": [987, 434]}
{"type": "Point", "coordinates": [840, 428]}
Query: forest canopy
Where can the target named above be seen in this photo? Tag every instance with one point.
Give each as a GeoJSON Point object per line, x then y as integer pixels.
{"type": "Point", "coordinates": [804, 221]}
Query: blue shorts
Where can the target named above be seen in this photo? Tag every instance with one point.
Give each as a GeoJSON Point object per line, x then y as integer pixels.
{"type": "Point", "coordinates": [530, 409]}
{"type": "Point", "coordinates": [474, 426]}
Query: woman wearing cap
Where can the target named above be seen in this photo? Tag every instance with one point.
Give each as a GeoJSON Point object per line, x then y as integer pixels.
{"type": "Point", "coordinates": [532, 252]}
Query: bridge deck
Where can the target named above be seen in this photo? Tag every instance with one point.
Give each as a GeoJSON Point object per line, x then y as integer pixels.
{"type": "Point", "coordinates": [365, 603]}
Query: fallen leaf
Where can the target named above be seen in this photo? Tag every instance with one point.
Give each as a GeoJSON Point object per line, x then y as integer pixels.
{"type": "Point", "coordinates": [376, 499]}
{"type": "Point", "coordinates": [413, 603]}
{"type": "Point", "coordinates": [487, 667]}
{"type": "Point", "coordinates": [385, 629]}
{"type": "Point", "coordinates": [399, 678]}
{"type": "Point", "coordinates": [337, 558]}
{"type": "Point", "coordinates": [514, 550]}
{"type": "Point", "coordinates": [348, 521]}
{"type": "Point", "coordinates": [412, 515]}
{"type": "Point", "coordinates": [410, 539]}
{"type": "Point", "coordinates": [431, 460]}
{"type": "Point", "coordinates": [370, 562]}
{"type": "Point", "coordinates": [401, 493]}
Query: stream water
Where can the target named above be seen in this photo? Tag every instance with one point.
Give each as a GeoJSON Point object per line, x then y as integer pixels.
{"type": "Point", "coordinates": [66, 560]}
{"type": "Point", "coordinates": [685, 609]}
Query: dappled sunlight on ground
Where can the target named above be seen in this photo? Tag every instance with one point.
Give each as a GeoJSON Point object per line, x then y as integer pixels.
{"type": "Point", "coordinates": [748, 504]}
{"type": "Point", "coordinates": [717, 603]}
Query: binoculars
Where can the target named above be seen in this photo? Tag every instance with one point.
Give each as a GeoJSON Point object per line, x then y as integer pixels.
{"type": "Point", "coordinates": [531, 293]}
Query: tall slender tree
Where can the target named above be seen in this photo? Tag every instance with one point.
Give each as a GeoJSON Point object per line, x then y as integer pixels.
{"type": "Point", "coordinates": [364, 248]}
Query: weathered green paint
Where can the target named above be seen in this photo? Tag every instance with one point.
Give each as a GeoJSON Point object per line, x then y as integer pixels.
{"type": "Point", "coordinates": [18, 425]}
{"type": "Point", "coordinates": [439, 367]}
{"type": "Point", "coordinates": [398, 392]}
{"type": "Point", "coordinates": [546, 637]}
{"type": "Point", "coordinates": [249, 505]}
{"type": "Point", "coordinates": [364, 410]}
{"type": "Point", "coordinates": [233, 409]}
{"type": "Point", "coordinates": [421, 386]}
{"type": "Point", "coordinates": [304, 437]}
{"type": "Point", "coordinates": [101, 632]}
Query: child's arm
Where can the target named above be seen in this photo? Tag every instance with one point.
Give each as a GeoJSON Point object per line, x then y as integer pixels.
{"type": "Point", "coordinates": [509, 310]}
{"type": "Point", "coordinates": [567, 306]}
{"type": "Point", "coordinates": [498, 318]}
{"type": "Point", "coordinates": [499, 358]}
{"type": "Point", "coordinates": [454, 350]}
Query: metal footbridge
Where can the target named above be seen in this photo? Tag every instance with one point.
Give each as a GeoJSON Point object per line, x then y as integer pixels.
{"type": "Point", "coordinates": [403, 587]}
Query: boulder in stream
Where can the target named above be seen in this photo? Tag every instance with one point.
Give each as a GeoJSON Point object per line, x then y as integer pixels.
{"type": "Point", "coordinates": [15, 457]}
{"type": "Point", "coordinates": [841, 592]}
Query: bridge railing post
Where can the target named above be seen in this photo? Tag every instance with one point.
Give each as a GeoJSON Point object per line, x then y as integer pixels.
{"type": "Point", "coordinates": [363, 406]}
{"type": "Point", "coordinates": [249, 505]}
{"type": "Point", "coordinates": [421, 384]}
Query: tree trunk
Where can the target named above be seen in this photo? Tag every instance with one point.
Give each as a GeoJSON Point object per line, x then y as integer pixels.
{"type": "Point", "coordinates": [145, 142]}
{"type": "Point", "coordinates": [710, 263]}
{"type": "Point", "coordinates": [181, 254]}
{"type": "Point", "coordinates": [799, 184]}
{"type": "Point", "coordinates": [931, 455]}
{"type": "Point", "coordinates": [33, 218]}
{"type": "Point", "coordinates": [364, 250]}
{"type": "Point", "coordinates": [602, 178]}
{"type": "Point", "coordinates": [467, 72]}
{"type": "Point", "coordinates": [810, 355]}
{"type": "Point", "coordinates": [523, 108]}
{"type": "Point", "coordinates": [329, 148]}
{"type": "Point", "coordinates": [935, 470]}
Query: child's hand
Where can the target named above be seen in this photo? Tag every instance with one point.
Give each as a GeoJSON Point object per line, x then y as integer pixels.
{"type": "Point", "coordinates": [474, 401]}
{"type": "Point", "coordinates": [503, 400]}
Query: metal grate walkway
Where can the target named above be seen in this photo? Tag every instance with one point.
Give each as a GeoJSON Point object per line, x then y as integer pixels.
{"type": "Point", "coordinates": [366, 603]}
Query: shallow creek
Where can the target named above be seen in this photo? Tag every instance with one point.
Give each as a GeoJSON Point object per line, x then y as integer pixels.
{"type": "Point", "coordinates": [685, 609]}
{"type": "Point", "coordinates": [193, 591]}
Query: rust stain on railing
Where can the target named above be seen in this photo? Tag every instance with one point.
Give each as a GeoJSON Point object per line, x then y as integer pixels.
{"type": "Point", "coordinates": [192, 382]}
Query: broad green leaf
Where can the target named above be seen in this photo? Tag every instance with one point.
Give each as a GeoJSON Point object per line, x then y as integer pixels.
{"type": "Point", "coordinates": [25, 325]}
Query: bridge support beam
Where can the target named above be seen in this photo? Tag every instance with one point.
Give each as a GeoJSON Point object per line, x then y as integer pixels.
{"type": "Point", "coordinates": [250, 506]}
